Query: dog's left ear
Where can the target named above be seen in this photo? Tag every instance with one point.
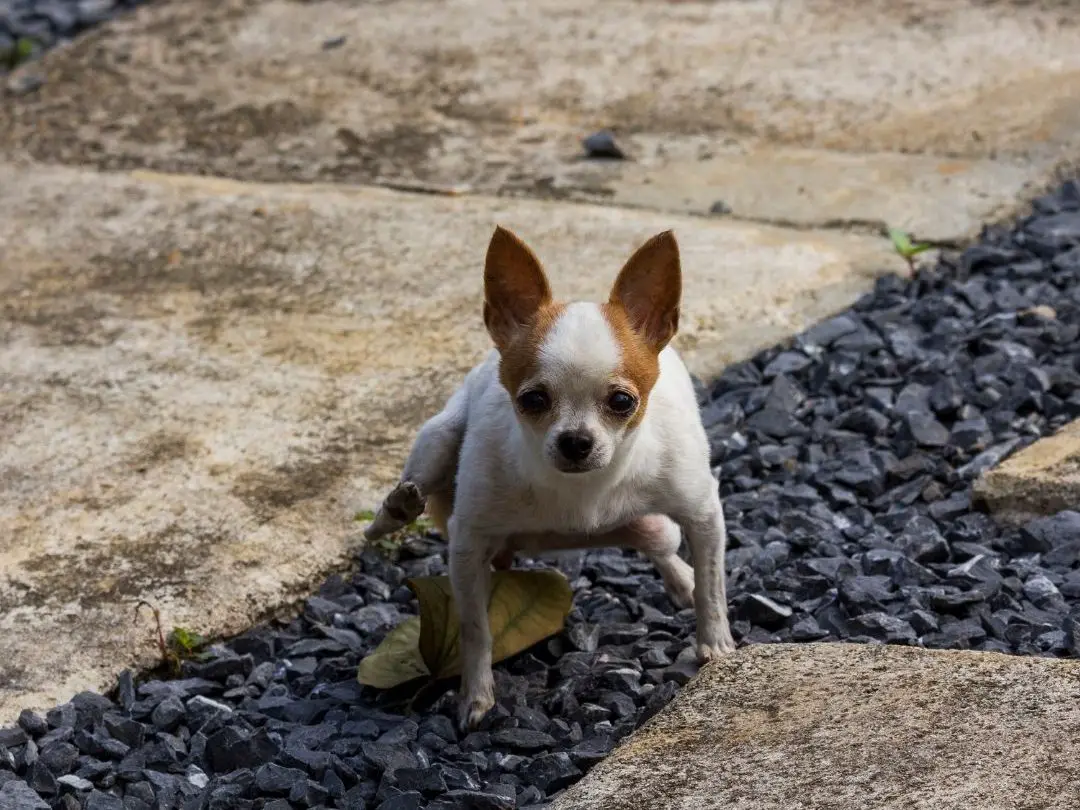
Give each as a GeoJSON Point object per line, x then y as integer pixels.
{"type": "Point", "coordinates": [649, 288]}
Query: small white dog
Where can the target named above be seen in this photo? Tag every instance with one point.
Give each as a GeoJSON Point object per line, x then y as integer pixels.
{"type": "Point", "coordinates": [581, 429]}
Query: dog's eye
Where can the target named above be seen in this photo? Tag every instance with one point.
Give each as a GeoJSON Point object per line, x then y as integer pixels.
{"type": "Point", "coordinates": [534, 402]}
{"type": "Point", "coordinates": [621, 403]}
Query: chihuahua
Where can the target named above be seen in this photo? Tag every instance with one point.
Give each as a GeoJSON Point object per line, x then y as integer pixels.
{"type": "Point", "coordinates": [579, 430]}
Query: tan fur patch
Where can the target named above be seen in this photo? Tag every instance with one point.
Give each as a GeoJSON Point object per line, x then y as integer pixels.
{"type": "Point", "coordinates": [640, 364]}
{"type": "Point", "coordinates": [519, 360]}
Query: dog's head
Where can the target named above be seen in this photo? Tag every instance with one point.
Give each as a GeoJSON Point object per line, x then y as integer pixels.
{"type": "Point", "coordinates": [580, 374]}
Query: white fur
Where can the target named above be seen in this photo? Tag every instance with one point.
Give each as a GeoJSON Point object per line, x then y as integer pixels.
{"type": "Point", "coordinates": [654, 480]}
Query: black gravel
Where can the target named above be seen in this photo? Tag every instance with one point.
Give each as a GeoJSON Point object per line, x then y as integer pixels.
{"type": "Point", "coordinates": [846, 459]}
{"type": "Point", "coordinates": [47, 23]}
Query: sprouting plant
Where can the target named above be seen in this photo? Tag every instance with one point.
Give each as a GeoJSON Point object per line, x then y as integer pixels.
{"type": "Point", "coordinates": [180, 645]}
{"type": "Point", "coordinates": [907, 249]}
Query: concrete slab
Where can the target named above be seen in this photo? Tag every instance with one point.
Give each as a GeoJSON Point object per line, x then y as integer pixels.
{"type": "Point", "coordinates": [934, 115]}
{"type": "Point", "coordinates": [200, 379]}
{"type": "Point", "coordinates": [1042, 479]}
{"type": "Point", "coordinates": [851, 727]}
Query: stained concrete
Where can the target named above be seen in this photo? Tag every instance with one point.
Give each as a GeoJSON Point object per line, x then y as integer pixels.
{"type": "Point", "coordinates": [201, 379]}
{"type": "Point", "coordinates": [1042, 479]}
{"type": "Point", "coordinates": [933, 115]}
{"type": "Point", "coordinates": [852, 727]}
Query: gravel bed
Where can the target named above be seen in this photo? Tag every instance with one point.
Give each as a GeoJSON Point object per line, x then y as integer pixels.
{"type": "Point", "coordinates": [49, 22]}
{"type": "Point", "coordinates": [845, 458]}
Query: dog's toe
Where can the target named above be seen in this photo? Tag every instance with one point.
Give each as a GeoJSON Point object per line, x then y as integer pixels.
{"type": "Point", "coordinates": [472, 712]}
{"type": "Point", "coordinates": [711, 652]}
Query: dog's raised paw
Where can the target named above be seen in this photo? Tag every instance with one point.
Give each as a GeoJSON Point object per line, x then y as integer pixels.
{"type": "Point", "coordinates": [402, 506]}
{"type": "Point", "coordinates": [405, 502]}
{"type": "Point", "coordinates": [680, 590]}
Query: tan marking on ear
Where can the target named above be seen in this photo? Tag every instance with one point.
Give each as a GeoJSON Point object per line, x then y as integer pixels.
{"type": "Point", "coordinates": [516, 288]}
{"type": "Point", "coordinates": [640, 362]}
{"type": "Point", "coordinates": [520, 358]}
{"type": "Point", "coordinates": [649, 288]}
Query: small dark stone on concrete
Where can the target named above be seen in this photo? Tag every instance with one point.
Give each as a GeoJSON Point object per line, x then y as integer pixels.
{"type": "Point", "coordinates": [602, 145]}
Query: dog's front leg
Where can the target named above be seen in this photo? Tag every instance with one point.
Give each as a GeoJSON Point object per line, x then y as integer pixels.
{"type": "Point", "coordinates": [707, 537]}
{"type": "Point", "coordinates": [471, 554]}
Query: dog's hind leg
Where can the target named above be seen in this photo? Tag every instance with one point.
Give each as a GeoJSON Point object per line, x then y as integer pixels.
{"type": "Point", "coordinates": [656, 536]}
{"type": "Point", "coordinates": [430, 472]}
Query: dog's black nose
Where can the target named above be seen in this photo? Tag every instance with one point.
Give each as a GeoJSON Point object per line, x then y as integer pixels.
{"type": "Point", "coordinates": [575, 445]}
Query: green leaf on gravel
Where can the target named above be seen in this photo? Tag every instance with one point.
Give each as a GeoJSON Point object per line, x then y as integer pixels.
{"type": "Point", "coordinates": [367, 515]}
{"type": "Point", "coordinates": [525, 608]}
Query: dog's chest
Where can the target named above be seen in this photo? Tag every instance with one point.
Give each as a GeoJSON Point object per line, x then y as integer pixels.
{"type": "Point", "coordinates": [580, 509]}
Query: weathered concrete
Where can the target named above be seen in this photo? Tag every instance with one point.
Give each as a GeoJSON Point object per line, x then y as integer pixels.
{"type": "Point", "coordinates": [199, 379]}
{"type": "Point", "coordinates": [1041, 479]}
{"type": "Point", "coordinates": [847, 727]}
{"type": "Point", "coordinates": [933, 115]}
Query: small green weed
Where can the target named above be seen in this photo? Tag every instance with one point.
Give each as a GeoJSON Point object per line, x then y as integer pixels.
{"type": "Point", "coordinates": [907, 249]}
{"type": "Point", "coordinates": [180, 645]}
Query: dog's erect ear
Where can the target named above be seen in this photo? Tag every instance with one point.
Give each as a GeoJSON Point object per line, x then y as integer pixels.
{"type": "Point", "coordinates": [649, 288]}
{"type": "Point", "coordinates": [515, 287]}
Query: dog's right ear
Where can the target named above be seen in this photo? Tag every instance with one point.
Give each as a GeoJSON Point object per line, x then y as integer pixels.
{"type": "Point", "coordinates": [515, 287]}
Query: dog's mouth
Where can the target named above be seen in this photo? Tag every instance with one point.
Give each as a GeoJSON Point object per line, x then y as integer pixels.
{"type": "Point", "coordinates": [576, 467]}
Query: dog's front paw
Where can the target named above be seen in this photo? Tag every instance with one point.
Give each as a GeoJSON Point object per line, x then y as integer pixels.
{"type": "Point", "coordinates": [710, 652]}
{"type": "Point", "coordinates": [472, 710]}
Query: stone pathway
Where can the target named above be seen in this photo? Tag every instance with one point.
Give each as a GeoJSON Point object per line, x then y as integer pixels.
{"type": "Point", "coordinates": [848, 727]}
{"type": "Point", "coordinates": [201, 378]}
